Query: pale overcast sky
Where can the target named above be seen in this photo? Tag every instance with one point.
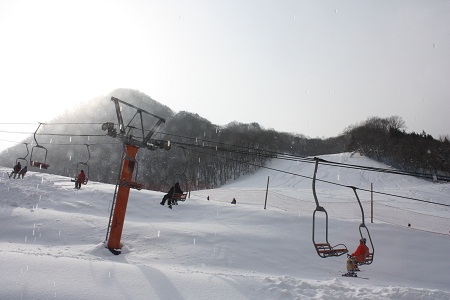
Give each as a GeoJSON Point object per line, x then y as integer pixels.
{"type": "Point", "coordinates": [308, 67]}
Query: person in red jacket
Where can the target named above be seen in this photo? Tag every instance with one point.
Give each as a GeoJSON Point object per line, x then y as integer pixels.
{"type": "Point", "coordinates": [362, 251]}
{"type": "Point", "coordinates": [358, 256]}
{"type": "Point", "coordinates": [80, 179]}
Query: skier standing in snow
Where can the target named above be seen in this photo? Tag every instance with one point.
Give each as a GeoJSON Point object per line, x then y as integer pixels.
{"type": "Point", "coordinates": [80, 179]}
{"type": "Point", "coordinates": [359, 255]}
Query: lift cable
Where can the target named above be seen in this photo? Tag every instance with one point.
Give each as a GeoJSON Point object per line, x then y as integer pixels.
{"type": "Point", "coordinates": [286, 156]}
{"type": "Point", "coordinates": [252, 151]}
{"type": "Point", "coordinates": [271, 154]}
{"type": "Point", "coordinates": [65, 144]}
{"type": "Point", "coordinates": [55, 134]}
{"type": "Point", "coordinates": [45, 124]}
{"type": "Point", "coordinates": [376, 169]}
{"type": "Point", "coordinates": [74, 123]}
{"type": "Point", "coordinates": [257, 152]}
{"type": "Point", "coordinates": [325, 181]}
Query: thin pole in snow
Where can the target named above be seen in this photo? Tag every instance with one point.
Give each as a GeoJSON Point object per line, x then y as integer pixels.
{"type": "Point", "coordinates": [371, 202]}
{"type": "Point", "coordinates": [267, 191]}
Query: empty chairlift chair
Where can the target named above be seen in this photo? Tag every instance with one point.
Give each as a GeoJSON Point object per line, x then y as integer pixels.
{"type": "Point", "coordinates": [42, 164]}
{"type": "Point", "coordinates": [323, 247]}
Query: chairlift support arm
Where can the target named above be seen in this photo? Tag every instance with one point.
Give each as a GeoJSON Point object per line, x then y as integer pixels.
{"type": "Point", "coordinates": [28, 152]}
{"type": "Point", "coordinates": [34, 135]}
{"type": "Point", "coordinates": [125, 137]}
{"type": "Point", "coordinates": [318, 207]}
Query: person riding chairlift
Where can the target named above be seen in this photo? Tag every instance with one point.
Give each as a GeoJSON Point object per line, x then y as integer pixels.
{"type": "Point", "coordinates": [358, 256]}
{"type": "Point", "coordinates": [22, 172]}
{"type": "Point", "coordinates": [80, 179]}
{"type": "Point", "coordinates": [16, 170]}
{"type": "Point", "coordinates": [176, 189]}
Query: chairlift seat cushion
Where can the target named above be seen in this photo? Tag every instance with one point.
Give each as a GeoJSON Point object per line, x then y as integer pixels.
{"type": "Point", "coordinates": [333, 251]}
{"type": "Point", "coordinates": [179, 196]}
{"type": "Point", "coordinates": [327, 250]}
{"type": "Point", "coordinates": [367, 261]}
{"type": "Point", "coordinates": [131, 184]}
{"type": "Point", "coordinates": [39, 164]}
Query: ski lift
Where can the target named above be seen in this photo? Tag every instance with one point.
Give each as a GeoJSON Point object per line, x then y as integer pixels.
{"type": "Point", "coordinates": [323, 247]}
{"type": "Point", "coordinates": [83, 166]}
{"type": "Point", "coordinates": [34, 163]}
{"type": "Point", "coordinates": [24, 159]}
{"type": "Point", "coordinates": [362, 228]}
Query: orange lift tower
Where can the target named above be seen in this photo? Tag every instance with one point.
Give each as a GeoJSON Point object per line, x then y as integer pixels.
{"type": "Point", "coordinates": [133, 137]}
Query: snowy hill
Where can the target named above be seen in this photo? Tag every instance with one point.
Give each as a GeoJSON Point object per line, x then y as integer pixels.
{"type": "Point", "coordinates": [51, 239]}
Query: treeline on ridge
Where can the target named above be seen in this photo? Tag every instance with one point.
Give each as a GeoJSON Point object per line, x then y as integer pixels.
{"type": "Point", "coordinates": [385, 140]}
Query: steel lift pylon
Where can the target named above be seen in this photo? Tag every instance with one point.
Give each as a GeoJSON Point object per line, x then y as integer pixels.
{"type": "Point", "coordinates": [125, 182]}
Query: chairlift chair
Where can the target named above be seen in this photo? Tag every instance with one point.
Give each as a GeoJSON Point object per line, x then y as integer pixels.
{"type": "Point", "coordinates": [83, 166]}
{"type": "Point", "coordinates": [362, 227]}
{"type": "Point", "coordinates": [177, 195]}
{"type": "Point", "coordinates": [38, 164]}
{"type": "Point", "coordinates": [180, 177]}
{"type": "Point", "coordinates": [323, 247]}
{"type": "Point", "coordinates": [33, 162]}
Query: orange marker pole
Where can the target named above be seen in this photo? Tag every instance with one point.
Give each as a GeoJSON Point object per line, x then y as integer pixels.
{"type": "Point", "coordinates": [120, 207]}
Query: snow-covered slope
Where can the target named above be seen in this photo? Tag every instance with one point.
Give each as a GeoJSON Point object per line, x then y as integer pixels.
{"type": "Point", "coordinates": [51, 239]}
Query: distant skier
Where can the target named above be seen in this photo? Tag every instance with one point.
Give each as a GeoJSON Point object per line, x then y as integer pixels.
{"type": "Point", "coordinates": [16, 170]}
{"type": "Point", "coordinates": [80, 179]}
{"type": "Point", "coordinates": [233, 201]}
{"type": "Point", "coordinates": [22, 172]}
{"type": "Point", "coordinates": [359, 256]}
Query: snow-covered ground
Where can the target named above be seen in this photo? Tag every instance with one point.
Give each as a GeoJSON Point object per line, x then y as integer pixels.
{"type": "Point", "coordinates": [51, 239]}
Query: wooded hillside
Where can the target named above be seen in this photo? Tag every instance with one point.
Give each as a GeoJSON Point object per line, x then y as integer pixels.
{"type": "Point", "coordinates": [204, 155]}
